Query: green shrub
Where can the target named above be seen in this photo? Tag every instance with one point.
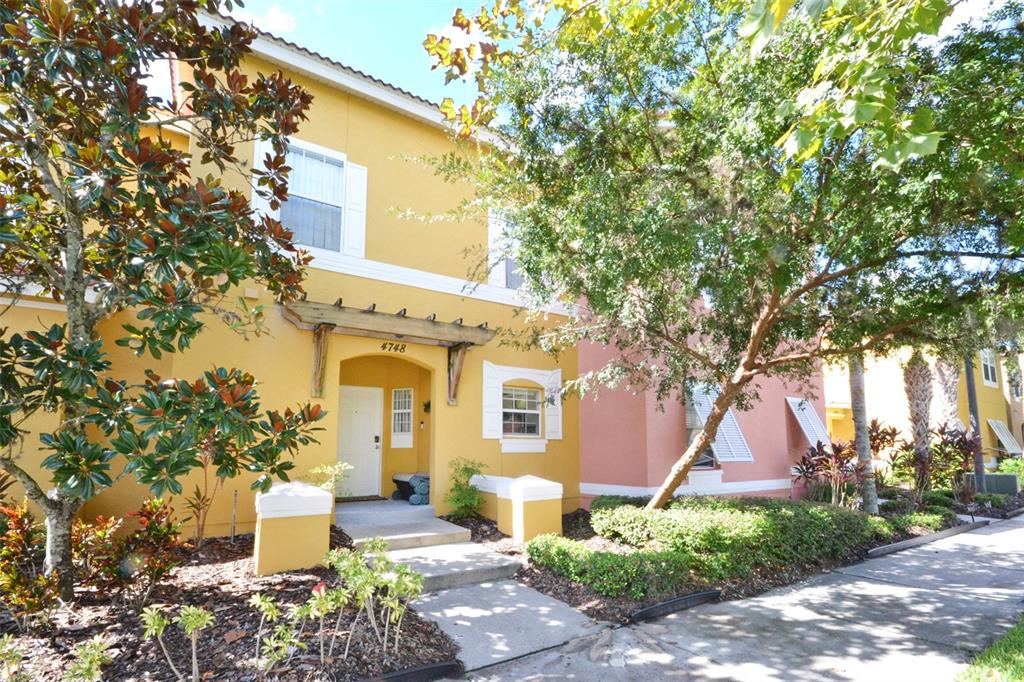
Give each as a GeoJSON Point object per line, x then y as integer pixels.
{"type": "Point", "coordinates": [613, 501]}
{"type": "Point", "coordinates": [464, 497]}
{"type": "Point", "coordinates": [638, 574]}
{"type": "Point", "coordinates": [934, 518]}
{"type": "Point", "coordinates": [1014, 465]}
{"type": "Point", "coordinates": [936, 498]}
{"type": "Point", "coordinates": [997, 500]}
{"type": "Point", "coordinates": [900, 505]}
{"type": "Point", "coordinates": [730, 537]}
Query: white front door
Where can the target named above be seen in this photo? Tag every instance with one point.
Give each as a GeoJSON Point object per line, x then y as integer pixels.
{"type": "Point", "coordinates": [360, 427]}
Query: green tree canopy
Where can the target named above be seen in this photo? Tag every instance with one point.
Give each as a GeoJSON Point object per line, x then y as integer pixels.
{"type": "Point", "coordinates": [655, 169]}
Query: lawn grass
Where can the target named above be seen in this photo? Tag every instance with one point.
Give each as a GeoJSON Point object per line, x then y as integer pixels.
{"type": "Point", "coordinates": [1001, 662]}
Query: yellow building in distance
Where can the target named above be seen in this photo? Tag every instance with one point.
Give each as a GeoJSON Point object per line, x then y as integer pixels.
{"type": "Point", "coordinates": [998, 391]}
{"type": "Point", "coordinates": [396, 337]}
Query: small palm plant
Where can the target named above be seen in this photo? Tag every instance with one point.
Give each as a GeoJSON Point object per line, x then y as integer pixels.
{"type": "Point", "coordinates": [190, 619]}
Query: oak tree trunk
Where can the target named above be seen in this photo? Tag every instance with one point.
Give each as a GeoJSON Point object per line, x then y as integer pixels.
{"type": "Point", "coordinates": [700, 443]}
{"type": "Point", "coordinates": [858, 405]}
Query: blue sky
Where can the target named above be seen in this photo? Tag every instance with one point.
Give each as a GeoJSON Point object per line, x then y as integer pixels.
{"type": "Point", "coordinates": [381, 37]}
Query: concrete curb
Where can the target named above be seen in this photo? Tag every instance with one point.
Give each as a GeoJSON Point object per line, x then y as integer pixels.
{"type": "Point", "coordinates": [924, 539]}
{"type": "Point", "coordinates": [673, 605]}
{"type": "Point", "coordinates": [423, 673]}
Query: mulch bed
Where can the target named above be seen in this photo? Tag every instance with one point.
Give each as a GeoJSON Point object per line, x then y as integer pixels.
{"type": "Point", "coordinates": [990, 512]}
{"type": "Point", "coordinates": [576, 525]}
{"type": "Point", "coordinates": [220, 578]}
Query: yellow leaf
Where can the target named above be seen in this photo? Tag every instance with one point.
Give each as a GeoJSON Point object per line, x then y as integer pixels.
{"type": "Point", "coordinates": [779, 10]}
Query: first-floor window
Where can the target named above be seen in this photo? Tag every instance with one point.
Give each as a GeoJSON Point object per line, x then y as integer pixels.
{"type": "Point", "coordinates": [520, 411]}
{"type": "Point", "coordinates": [401, 418]}
{"type": "Point", "coordinates": [693, 425]}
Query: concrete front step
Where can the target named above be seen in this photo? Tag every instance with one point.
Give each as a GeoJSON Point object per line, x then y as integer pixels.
{"type": "Point", "coordinates": [380, 512]}
{"type": "Point", "coordinates": [497, 621]}
{"type": "Point", "coordinates": [418, 533]}
{"type": "Point", "coordinates": [457, 565]}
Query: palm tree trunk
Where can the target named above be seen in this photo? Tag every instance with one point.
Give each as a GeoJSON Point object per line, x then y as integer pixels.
{"type": "Point", "coordinates": [917, 382]}
{"type": "Point", "coordinates": [858, 405]}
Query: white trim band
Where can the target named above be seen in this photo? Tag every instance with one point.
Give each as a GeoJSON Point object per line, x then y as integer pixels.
{"type": "Point", "coordinates": [704, 488]}
{"type": "Point", "coordinates": [523, 445]}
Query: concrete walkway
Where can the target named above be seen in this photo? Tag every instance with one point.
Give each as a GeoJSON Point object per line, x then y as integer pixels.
{"type": "Point", "coordinates": [914, 615]}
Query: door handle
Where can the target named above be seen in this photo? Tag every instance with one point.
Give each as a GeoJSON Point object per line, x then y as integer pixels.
{"type": "Point", "coordinates": [376, 442]}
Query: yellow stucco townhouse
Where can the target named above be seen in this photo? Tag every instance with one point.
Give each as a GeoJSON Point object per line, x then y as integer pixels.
{"type": "Point", "coordinates": [395, 338]}
{"type": "Point", "coordinates": [997, 385]}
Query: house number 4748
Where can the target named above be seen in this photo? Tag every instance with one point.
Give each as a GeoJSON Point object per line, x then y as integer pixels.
{"type": "Point", "coordinates": [392, 347]}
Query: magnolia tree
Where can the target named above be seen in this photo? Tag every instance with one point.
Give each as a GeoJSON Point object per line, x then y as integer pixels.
{"type": "Point", "coordinates": [677, 184]}
{"type": "Point", "coordinates": [101, 213]}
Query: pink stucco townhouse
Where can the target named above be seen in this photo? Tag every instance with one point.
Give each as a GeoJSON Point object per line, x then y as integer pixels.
{"type": "Point", "coordinates": [628, 444]}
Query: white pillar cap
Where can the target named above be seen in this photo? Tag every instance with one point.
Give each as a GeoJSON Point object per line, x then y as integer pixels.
{"type": "Point", "coordinates": [293, 499]}
{"type": "Point", "coordinates": [532, 488]}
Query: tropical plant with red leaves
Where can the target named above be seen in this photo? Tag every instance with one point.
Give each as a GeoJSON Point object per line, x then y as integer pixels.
{"type": "Point", "coordinates": [832, 465]}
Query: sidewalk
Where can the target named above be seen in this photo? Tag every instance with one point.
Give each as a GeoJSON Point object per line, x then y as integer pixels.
{"type": "Point", "coordinates": [915, 615]}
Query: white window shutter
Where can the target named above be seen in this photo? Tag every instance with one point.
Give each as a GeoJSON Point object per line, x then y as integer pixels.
{"type": "Point", "coordinates": [1005, 437]}
{"type": "Point", "coordinates": [810, 423]}
{"type": "Point", "coordinates": [553, 406]}
{"type": "Point", "coordinates": [496, 263]}
{"type": "Point", "coordinates": [492, 402]}
{"type": "Point", "coordinates": [729, 444]}
{"type": "Point", "coordinates": [353, 241]}
{"type": "Point", "coordinates": [260, 149]}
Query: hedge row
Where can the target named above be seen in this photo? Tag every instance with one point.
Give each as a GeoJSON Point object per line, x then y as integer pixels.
{"type": "Point", "coordinates": [730, 537]}
{"type": "Point", "coordinates": [704, 540]}
{"type": "Point", "coordinates": [639, 574]}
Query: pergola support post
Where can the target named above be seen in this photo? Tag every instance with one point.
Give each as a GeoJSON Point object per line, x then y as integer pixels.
{"type": "Point", "coordinates": [456, 358]}
{"type": "Point", "coordinates": [320, 335]}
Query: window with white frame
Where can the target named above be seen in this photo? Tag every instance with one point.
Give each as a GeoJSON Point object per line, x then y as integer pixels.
{"type": "Point", "coordinates": [401, 418]}
{"type": "Point", "coordinates": [520, 411]}
{"type": "Point", "coordinates": [693, 425]}
{"type": "Point", "coordinates": [989, 368]}
{"type": "Point", "coordinates": [504, 271]}
{"type": "Point", "coordinates": [315, 208]}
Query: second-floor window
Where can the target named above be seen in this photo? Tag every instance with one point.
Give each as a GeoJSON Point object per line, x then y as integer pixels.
{"type": "Point", "coordinates": [315, 208]}
{"type": "Point", "coordinates": [989, 368]}
{"type": "Point", "coordinates": [504, 271]}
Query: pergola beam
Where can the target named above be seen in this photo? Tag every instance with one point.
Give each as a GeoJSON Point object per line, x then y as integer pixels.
{"type": "Point", "coordinates": [369, 322]}
{"type": "Point", "coordinates": [323, 319]}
